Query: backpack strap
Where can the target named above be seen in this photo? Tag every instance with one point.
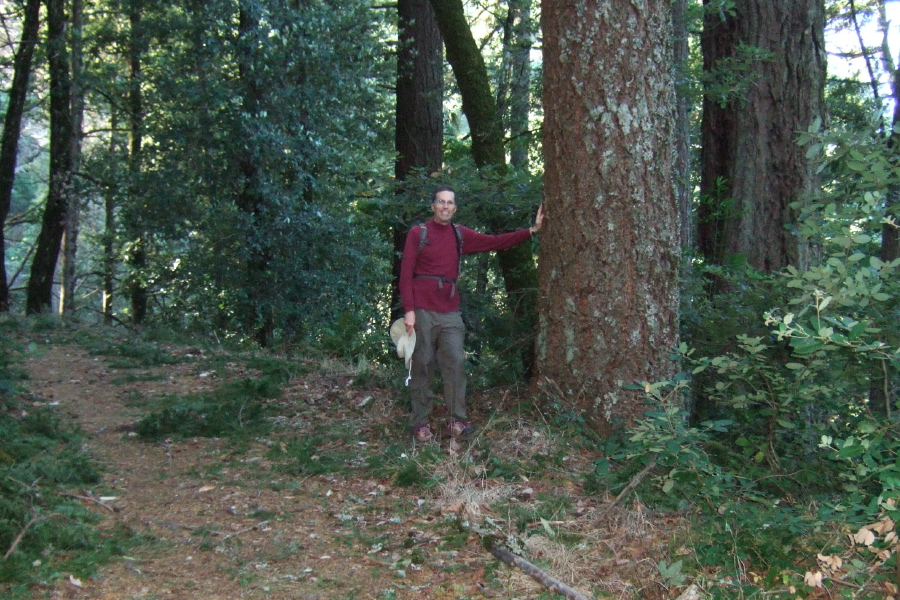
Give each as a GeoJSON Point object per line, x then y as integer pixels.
{"type": "Point", "coordinates": [423, 241]}
{"type": "Point", "coordinates": [458, 247]}
{"type": "Point", "coordinates": [423, 236]}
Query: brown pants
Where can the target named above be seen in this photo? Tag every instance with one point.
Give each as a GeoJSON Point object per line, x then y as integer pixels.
{"type": "Point", "coordinates": [439, 341]}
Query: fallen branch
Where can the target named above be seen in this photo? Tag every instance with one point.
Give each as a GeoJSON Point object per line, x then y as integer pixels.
{"type": "Point", "coordinates": [19, 537]}
{"type": "Point", "coordinates": [628, 488]}
{"type": "Point", "coordinates": [77, 497]}
{"type": "Point", "coordinates": [259, 525]}
{"type": "Point", "coordinates": [535, 573]}
{"type": "Point", "coordinates": [34, 519]}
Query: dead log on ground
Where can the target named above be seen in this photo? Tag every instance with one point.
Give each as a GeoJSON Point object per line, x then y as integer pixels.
{"type": "Point", "coordinates": [535, 573]}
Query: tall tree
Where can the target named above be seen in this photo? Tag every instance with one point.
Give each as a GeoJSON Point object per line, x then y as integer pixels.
{"type": "Point", "coordinates": [12, 128]}
{"type": "Point", "coordinates": [890, 241]}
{"type": "Point", "coordinates": [514, 96]}
{"type": "Point", "coordinates": [683, 172]}
{"type": "Point", "coordinates": [474, 84]}
{"type": "Point", "coordinates": [73, 216]}
{"type": "Point", "coordinates": [40, 283]}
{"type": "Point", "coordinates": [250, 198]}
{"type": "Point", "coordinates": [752, 169]}
{"type": "Point", "coordinates": [480, 107]}
{"type": "Point", "coordinates": [609, 258]}
{"type": "Point", "coordinates": [137, 252]}
{"type": "Point", "coordinates": [883, 382]}
{"type": "Point", "coordinates": [418, 137]}
{"type": "Point", "coordinates": [110, 256]}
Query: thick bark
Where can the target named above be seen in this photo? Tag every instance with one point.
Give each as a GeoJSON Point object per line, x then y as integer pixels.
{"type": "Point", "coordinates": [752, 169]}
{"type": "Point", "coordinates": [12, 128]}
{"type": "Point", "coordinates": [40, 283]}
{"type": "Point", "coordinates": [420, 124]}
{"type": "Point", "coordinates": [516, 264]}
{"type": "Point", "coordinates": [70, 238]}
{"type": "Point", "coordinates": [609, 254]}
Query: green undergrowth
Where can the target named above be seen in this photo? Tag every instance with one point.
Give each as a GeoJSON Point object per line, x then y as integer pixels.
{"type": "Point", "coordinates": [236, 409]}
{"type": "Point", "coordinates": [45, 533]}
{"type": "Point", "coordinates": [240, 408]}
{"type": "Point", "coordinates": [131, 352]}
{"type": "Point", "coordinates": [768, 484]}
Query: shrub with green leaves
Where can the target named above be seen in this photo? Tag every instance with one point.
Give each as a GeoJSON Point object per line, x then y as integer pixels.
{"type": "Point", "coordinates": [801, 454]}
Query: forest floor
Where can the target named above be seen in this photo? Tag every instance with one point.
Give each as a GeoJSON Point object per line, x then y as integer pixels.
{"type": "Point", "coordinates": [218, 520]}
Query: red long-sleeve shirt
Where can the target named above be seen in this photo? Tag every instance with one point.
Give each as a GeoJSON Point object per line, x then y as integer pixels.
{"type": "Point", "coordinates": [439, 258]}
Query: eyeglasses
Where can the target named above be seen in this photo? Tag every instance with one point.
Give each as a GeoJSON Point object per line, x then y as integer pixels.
{"type": "Point", "coordinates": [445, 202]}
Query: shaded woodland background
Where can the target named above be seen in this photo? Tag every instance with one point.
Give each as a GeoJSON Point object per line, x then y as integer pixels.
{"type": "Point", "coordinates": [715, 290]}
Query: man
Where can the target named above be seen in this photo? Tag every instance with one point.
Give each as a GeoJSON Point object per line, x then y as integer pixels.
{"type": "Point", "coordinates": [430, 300]}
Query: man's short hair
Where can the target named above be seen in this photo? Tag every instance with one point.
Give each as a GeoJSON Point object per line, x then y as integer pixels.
{"type": "Point", "coordinates": [443, 188]}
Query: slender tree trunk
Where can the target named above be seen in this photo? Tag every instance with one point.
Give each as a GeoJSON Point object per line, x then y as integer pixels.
{"type": "Point", "coordinates": [70, 238]}
{"type": "Point", "coordinates": [109, 232]}
{"type": "Point", "coordinates": [137, 253]}
{"type": "Point", "coordinates": [109, 260]}
{"type": "Point", "coordinates": [40, 283]}
{"type": "Point", "coordinates": [419, 118]}
{"type": "Point", "coordinates": [12, 128]}
{"type": "Point", "coordinates": [250, 199]}
{"type": "Point", "coordinates": [890, 244]}
{"type": "Point", "coordinates": [752, 168]}
{"type": "Point", "coordinates": [516, 264]}
{"type": "Point", "coordinates": [474, 84]}
{"type": "Point", "coordinates": [514, 96]}
{"type": "Point", "coordinates": [882, 386]}
{"type": "Point", "coordinates": [609, 255]}
{"type": "Point", "coordinates": [683, 184]}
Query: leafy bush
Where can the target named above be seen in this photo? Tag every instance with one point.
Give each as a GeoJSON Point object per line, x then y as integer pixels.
{"type": "Point", "coordinates": [790, 450]}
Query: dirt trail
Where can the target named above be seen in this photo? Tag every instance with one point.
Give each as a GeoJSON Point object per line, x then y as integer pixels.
{"type": "Point", "coordinates": [213, 532]}
{"type": "Point", "coordinates": [219, 523]}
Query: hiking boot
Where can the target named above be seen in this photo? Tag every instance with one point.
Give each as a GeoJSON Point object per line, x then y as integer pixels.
{"type": "Point", "coordinates": [422, 433]}
{"type": "Point", "coordinates": [461, 430]}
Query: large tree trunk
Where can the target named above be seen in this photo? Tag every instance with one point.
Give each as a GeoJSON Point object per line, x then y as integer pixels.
{"type": "Point", "coordinates": [12, 128]}
{"type": "Point", "coordinates": [70, 238]}
{"type": "Point", "coordinates": [609, 257]}
{"type": "Point", "coordinates": [40, 284]}
{"type": "Point", "coordinates": [752, 169]}
{"type": "Point", "coordinates": [419, 130]}
{"type": "Point", "coordinates": [516, 264]}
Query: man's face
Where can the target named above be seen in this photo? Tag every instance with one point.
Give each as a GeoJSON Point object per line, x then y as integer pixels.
{"type": "Point", "coordinates": [444, 207]}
